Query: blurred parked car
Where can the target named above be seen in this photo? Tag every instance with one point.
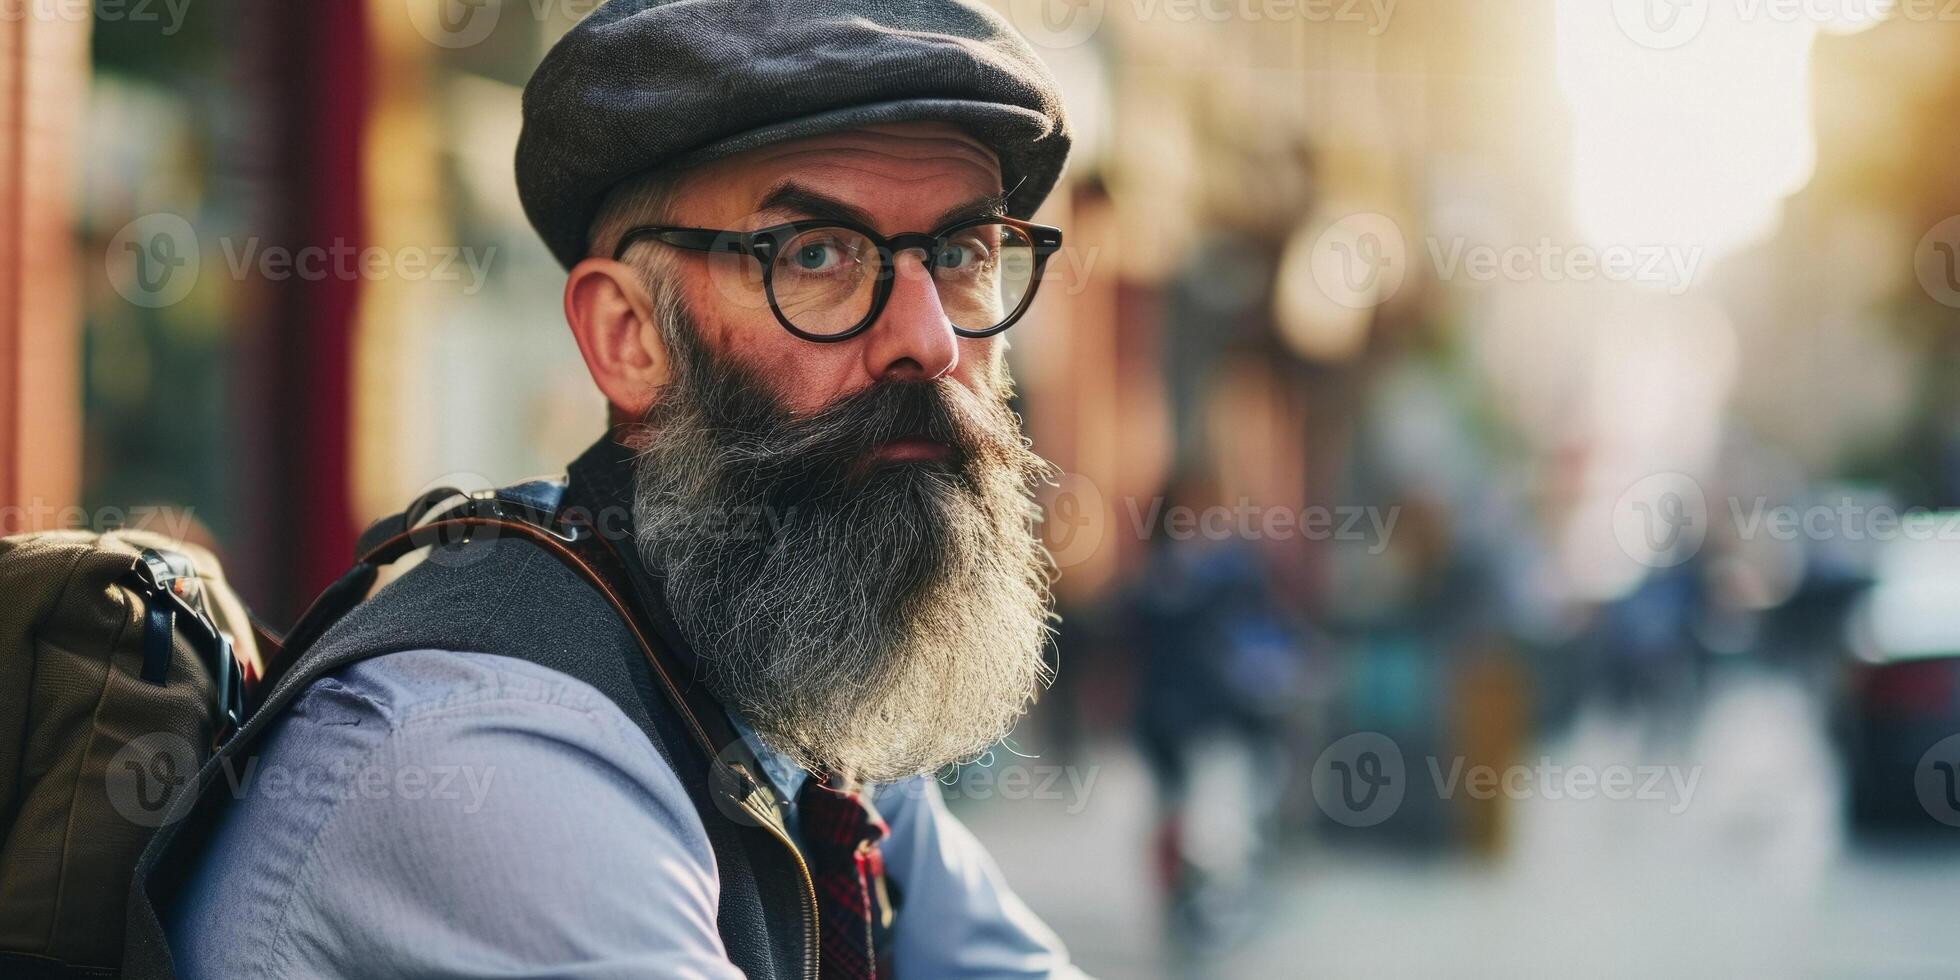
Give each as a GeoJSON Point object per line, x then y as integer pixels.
{"type": "Point", "coordinates": [1901, 721]}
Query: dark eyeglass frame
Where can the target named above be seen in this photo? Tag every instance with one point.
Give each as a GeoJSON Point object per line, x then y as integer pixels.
{"type": "Point", "coordinates": [764, 244]}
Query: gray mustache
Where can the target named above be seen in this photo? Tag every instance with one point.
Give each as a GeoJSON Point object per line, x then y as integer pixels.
{"type": "Point", "coordinates": [820, 453]}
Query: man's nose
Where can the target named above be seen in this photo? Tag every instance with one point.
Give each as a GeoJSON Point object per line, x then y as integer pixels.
{"type": "Point", "coordinates": [912, 340]}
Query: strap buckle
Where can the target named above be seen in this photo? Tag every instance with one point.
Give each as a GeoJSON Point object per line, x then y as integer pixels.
{"type": "Point", "coordinates": [532, 503]}
{"type": "Point", "coordinates": [172, 591]}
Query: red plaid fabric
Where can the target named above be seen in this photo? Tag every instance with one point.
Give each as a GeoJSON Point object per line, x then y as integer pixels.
{"type": "Point", "coordinates": [840, 840]}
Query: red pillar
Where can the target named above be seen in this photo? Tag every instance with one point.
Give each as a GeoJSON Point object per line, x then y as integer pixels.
{"type": "Point", "coordinates": [311, 61]}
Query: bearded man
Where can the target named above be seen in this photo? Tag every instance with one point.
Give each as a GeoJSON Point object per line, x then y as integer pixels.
{"type": "Point", "coordinates": [795, 236]}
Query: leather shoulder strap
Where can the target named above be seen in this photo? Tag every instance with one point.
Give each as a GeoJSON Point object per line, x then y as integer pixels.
{"type": "Point", "coordinates": [460, 539]}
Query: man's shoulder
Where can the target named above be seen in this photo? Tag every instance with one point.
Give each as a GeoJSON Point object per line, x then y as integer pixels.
{"type": "Point", "coordinates": [394, 690]}
{"type": "Point", "coordinates": [434, 707]}
{"type": "Point", "coordinates": [435, 710]}
{"type": "Point", "coordinates": [502, 598]}
{"type": "Point", "coordinates": [431, 783]}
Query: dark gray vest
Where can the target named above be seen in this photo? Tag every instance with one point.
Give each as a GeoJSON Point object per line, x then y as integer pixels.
{"type": "Point", "coordinates": [506, 595]}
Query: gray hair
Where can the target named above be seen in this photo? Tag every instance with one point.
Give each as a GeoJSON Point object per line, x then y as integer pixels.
{"type": "Point", "coordinates": [645, 200]}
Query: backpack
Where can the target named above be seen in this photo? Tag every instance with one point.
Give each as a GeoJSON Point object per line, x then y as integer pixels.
{"type": "Point", "coordinates": [122, 664]}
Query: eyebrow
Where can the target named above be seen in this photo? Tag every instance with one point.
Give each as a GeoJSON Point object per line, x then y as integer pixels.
{"type": "Point", "coordinates": [790, 197]}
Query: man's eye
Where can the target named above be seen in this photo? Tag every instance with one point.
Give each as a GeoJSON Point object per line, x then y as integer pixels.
{"type": "Point", "coordinates": [818, 256]}
{"type": "Point", "coordinates": [822, 252]}
{"type": "Point", "coordinates": [962, 255]}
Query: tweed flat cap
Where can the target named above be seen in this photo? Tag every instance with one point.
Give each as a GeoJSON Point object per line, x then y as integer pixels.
{"type": "Point", "coordinates": [643, 85]}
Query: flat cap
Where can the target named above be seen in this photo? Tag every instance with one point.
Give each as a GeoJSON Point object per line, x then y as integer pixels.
{"type": "Point", "coordinates": [643, 85]}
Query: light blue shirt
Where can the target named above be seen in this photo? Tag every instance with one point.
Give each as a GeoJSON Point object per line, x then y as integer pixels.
{"type": "Point", "coordinates": [434, 813]}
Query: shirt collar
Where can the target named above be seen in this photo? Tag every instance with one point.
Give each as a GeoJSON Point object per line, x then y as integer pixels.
{"type": "Point", "coordinates": [783, 773]}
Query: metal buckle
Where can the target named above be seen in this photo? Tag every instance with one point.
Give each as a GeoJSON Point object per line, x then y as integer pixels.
{"type": "Point", "coordinates": [158, 575]}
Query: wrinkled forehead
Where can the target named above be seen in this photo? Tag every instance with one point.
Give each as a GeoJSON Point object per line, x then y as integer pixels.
{"type": "Point", "coordinates": [900, 172]}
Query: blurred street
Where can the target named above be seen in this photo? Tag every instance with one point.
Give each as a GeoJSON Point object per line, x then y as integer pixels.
{"type": "Point", "coordinates": [1755, 877]}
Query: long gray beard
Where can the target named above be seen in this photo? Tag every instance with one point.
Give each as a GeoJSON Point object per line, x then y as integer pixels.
{"type": "Point", "coordinates": [875, 622]}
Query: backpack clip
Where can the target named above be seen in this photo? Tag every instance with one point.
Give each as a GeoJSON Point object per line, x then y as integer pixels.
{"type": "Point", "coordinates": [171, 589]}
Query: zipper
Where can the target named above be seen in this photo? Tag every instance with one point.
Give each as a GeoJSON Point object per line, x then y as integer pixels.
{"type": "Point", "coordinates": [810, 955]}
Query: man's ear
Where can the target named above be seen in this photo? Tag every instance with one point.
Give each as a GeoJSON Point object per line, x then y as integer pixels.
{"type": "Point", "coordinates": [612, 318]}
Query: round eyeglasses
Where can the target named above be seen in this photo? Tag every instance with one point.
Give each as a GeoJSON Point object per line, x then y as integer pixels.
{"type": "Point", "coordinates": [828, 280]}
